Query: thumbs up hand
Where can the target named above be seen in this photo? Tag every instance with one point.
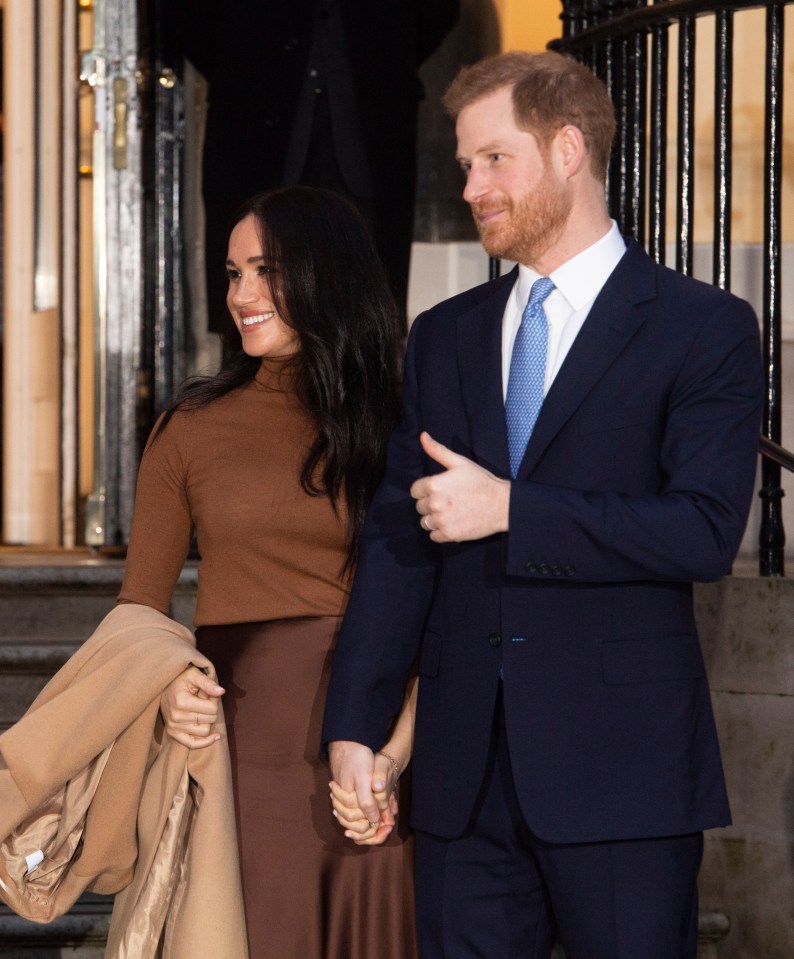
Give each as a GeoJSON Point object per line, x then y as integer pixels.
{"type": "Point", "coordinates": [464, 502]}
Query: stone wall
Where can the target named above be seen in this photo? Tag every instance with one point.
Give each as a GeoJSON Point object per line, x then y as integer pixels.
{"type": "Point", "coordinates": [747, 631]}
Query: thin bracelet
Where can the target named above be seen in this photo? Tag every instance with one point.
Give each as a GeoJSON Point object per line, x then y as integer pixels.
{"type": "Point", "coordinates": [392, 760]}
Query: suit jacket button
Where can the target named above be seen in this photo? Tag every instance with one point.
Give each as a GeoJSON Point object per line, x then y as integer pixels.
{"type": "Point", "coordinates": [543, 569]}
{"type": "Point", "coordinates": [570, 571]}
{"type": "Point", "coordinates": [531, 568]}
{"type": "Point", "coordinates": [556, 571]}
{"type": "Point", "coordinates": [495, 639]}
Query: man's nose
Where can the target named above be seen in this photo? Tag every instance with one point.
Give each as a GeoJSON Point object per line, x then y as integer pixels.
{"type": "Point", "coordinates": [476, 185]}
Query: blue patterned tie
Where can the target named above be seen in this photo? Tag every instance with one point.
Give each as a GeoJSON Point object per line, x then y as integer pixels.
{"type": "Point", "coordinates": [527, 373]}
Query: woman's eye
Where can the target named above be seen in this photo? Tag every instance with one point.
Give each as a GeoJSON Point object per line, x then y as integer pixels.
{"type": "Point", "coordinates": [232, 275]}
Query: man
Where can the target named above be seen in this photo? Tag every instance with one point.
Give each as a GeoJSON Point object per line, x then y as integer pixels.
{"type": "Point", "coordinates": [565, 755]}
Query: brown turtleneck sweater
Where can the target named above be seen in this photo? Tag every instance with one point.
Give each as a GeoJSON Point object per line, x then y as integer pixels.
{"type": "Point", "coordinates": [232, 470]}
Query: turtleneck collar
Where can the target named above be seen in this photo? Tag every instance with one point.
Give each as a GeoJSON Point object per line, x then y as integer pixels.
{"type": "Point", "coordinates": [278, 373]}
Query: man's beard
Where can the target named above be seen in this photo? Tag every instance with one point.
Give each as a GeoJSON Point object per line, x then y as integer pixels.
{"type": "Point", "coordinates": [536, 222]}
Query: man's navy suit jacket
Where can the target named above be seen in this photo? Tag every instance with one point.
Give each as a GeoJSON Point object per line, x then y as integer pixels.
{"type": "Point", "coordinates": [636, 482]}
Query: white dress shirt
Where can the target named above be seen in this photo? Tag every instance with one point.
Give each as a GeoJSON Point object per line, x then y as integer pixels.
{"type": "Point", "coordinates": [577, 283]}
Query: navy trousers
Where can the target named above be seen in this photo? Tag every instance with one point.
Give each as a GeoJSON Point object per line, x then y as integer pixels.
{"type": "Point", "coordinates": [500, 892]}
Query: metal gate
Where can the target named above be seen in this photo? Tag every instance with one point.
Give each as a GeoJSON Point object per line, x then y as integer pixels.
{"type": "Point", "coordinates": [137, 281]}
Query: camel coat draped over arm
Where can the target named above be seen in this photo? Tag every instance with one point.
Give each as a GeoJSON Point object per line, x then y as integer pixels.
{"type": "Point", "coordinates": [94, 795]}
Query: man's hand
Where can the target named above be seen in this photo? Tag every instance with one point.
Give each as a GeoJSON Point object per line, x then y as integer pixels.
{"type": "Point", "coordinates": [465, 502]}
{"type": "Point", "coordinates": [351, 817]}
{"type": "Point", "coordinates": [352, 766]}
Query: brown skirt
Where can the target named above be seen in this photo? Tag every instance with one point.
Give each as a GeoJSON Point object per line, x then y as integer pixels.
{"type": "Point", "coordinates": [309, 892]}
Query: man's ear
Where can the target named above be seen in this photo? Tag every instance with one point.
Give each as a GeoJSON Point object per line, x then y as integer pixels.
{"type": "Point", "coordinates": [570, 149]}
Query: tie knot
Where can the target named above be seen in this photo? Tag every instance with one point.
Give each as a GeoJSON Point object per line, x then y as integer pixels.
{"type": "Point", "coordinates": [540, 290]}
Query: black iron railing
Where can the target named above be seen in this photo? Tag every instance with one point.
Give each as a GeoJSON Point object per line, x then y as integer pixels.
{"type": "Point", "coordinates": [626, 43]}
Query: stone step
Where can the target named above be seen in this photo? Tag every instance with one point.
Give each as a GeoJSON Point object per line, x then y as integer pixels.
{"type": "Point", "coordinates": [80, 934]}
{"type": "Point", "coordinates": [55, 604]}
{"type": "Point", "coordinates": [61, 598]}
{"type": "Point", "coordinates": [49, 605]}
{"type": "Point", "coordinates": [25, 668]}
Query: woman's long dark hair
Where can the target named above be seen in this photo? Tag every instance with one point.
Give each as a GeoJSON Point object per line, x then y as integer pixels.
{"type": "Point", "coordinates": [332, 290]}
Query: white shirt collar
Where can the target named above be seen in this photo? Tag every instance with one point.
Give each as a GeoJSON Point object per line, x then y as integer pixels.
{"type": "Point", "coordinates": [579, 279]}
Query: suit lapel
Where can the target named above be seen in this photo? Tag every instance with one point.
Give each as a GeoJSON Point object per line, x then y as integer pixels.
{"type": "Point", "coordinates": [479, 345]}
{"type": "Point", "coordinates": [611, 323]}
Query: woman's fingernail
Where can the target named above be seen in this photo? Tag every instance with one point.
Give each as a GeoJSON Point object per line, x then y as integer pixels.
{"type": "Point", "coordinates": [378, 784]}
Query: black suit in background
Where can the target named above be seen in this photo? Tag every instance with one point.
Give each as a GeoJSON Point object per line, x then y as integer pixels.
{"type": "Point", "coordinates": [266, 125]}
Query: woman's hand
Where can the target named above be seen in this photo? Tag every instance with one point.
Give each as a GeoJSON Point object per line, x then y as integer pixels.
{"type": "Point", "coordinates": [189, 707]}
{"type": "Point", "coordinates": [349, 813]}
{"type": "Point", "coordinates": [389, 763]}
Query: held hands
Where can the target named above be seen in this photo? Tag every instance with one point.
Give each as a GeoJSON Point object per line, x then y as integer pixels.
{"type": "Point", "coordinates": [350, 815]}
{"type": "Point", "coordinates": [465, 502]}
{"type": "Point", "coordinates": [189, 707]}
{"type": "Point", "coordinates": [363, 793]}
{"type": "Point", "coordinates": [361, 790]}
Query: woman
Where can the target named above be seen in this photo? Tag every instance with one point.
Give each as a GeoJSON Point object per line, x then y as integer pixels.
{"type": "Point", "coordinates": [272, 463]}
